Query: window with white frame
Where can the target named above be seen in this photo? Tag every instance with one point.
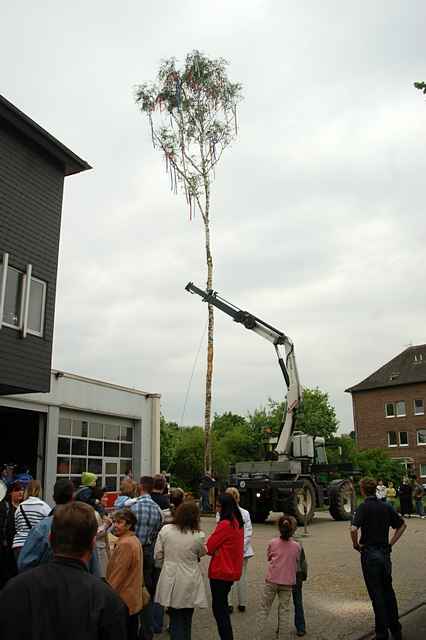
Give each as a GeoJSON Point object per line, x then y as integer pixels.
{"type": "Point", "coordinates": [400, 409]}
{"type": "Point", "coordinates": [423, 470]}
{"type": "Point", "coordinates": [390, 410]}
{"type": "Point", "coordinates": [403, 439]}
{"type": "Point", "coordinates": [22, 307]}
{"type": "Point", "coordinates": [421, 437]}
{"type": "Point", "coordinates": [13, 297]}
{"type": "Point", "coordinates": [392, 439]}
{"type": "Point", "coordinates": [419, 408]}
{"type": "Point", "coordinates": [36, 307]}
{"type": "Point", "coordinates": [84, 445]}
{"type": "Point", "coordinates": [393, 409]}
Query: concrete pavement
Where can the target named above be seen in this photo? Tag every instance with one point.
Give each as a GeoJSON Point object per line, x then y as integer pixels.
{"type": "Point", "coordinates": [336, 603]}
{"type": "Point", "coordinates": [413, 624]}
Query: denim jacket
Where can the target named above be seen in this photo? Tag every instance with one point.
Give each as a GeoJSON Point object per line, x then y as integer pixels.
{"type": "Point", "coordinates": [37, 549]}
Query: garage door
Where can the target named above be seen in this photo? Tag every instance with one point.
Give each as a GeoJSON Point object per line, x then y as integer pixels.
{"type": "Point", "coordinates": [100, 444]}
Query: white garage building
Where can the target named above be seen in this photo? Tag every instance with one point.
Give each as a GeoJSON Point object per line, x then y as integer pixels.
{"type": "Point", "coordinates": [81, 425]}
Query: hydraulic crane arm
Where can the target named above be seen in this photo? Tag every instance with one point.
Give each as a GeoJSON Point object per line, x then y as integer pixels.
{"type": "Point", "coordinates": [287, 362]}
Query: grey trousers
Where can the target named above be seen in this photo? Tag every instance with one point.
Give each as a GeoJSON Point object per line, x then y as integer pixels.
{"type": "Point", "coordinates": [284, 594]}
{"type": "Point", "coordinates": [238, 594]}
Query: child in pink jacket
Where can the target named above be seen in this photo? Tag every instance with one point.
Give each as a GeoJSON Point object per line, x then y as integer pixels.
{"type": "Point", "coordinates": [283, 557]}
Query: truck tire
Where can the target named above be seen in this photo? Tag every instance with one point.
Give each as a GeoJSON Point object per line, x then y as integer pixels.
{"type": "Point", "coordinates": [260, 516]}
{"type": "Point", "coordinates": [295, 506]}
{"type": "Point", "coordinates": [341, 495]}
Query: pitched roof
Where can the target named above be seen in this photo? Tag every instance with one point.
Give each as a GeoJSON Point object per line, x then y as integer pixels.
{"type": "Point", "coordinates": [407, 367]}
{"type": "Point", "coordinates": [66, 158]}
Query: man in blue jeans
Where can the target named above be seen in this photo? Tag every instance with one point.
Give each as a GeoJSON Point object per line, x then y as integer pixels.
{"type": "Point", "coordinates": [375, 518]}
{"type": "Point", "coordinates": [149, 523]}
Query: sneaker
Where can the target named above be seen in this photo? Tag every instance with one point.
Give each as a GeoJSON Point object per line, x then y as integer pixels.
{"type": "Point", "coordinates": [301, 633]}
{"type": "Point", "coordinates": [241, 607]}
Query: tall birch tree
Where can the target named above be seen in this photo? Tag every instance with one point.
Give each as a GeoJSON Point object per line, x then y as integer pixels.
{"type": "Point", "coordinates": [192, 114]}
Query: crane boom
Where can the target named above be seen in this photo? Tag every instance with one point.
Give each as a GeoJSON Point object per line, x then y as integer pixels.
{"type": "Point", "coordinates": [287, 363]}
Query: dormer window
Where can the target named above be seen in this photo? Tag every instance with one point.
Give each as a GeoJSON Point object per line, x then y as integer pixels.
{"type": "Point", "coordinates": [418, 357]}
{"type": "Point", "coordinates": [393, 376]}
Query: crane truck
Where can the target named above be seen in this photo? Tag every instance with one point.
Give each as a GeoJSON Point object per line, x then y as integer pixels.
{"type": "Point", "coordinates": [298, 479]}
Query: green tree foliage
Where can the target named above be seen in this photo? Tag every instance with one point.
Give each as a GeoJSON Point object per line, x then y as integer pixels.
{"type": "Point", "coordinates": [316, 416]}
{"type": "Point", "coordinates": [169, 432]}
{"type": "Point", "coordinates": [226, 422]}
{"type": "Point", "coordinates": [371, 462]}
{"type": "Point", "coordinates": [341, 449]}
{"type": "Point", "coordinates": [267, 419]}
{"type": "Point", "coordinates": [188, 465]}
{"type": "Point", "coordinates": [182, 454]}
{"type": "Point", "coordinates": [377, 464]}
{"type": "Point", "coordinates": [421, 86]}
{"type": "Point", "coordinates": [241, 438]}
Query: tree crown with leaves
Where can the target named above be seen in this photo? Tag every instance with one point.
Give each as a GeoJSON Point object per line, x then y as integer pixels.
{"type": "Point", "coordinates": [193, 117]}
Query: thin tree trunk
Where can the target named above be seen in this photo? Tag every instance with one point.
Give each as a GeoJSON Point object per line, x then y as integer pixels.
{"type": "Point", "coordinates": [210, 333]}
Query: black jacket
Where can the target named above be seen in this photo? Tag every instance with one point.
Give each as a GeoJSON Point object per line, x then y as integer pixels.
{"type": "Point", "coordinates": [61, 601]}
{"type": "Point", "coordinates": [8, 568]}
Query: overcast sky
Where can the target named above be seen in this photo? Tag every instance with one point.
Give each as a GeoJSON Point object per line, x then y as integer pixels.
{"type": "Point", "coordinates": [318, 208]}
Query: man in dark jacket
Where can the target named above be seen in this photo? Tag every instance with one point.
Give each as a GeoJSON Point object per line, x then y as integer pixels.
{"type": "Point", "coordinates": [61, 599]}
{"type": "Point", "coordinates": [375, 518]}
{"type": "Point", "coordinates": [207, 483]}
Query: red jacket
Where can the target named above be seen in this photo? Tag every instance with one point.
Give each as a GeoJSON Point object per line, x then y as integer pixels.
{"type": "Point", "coordinates": [226, 546]}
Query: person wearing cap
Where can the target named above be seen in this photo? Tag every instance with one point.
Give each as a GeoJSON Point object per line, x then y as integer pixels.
{"type": "Point", "coordinates": [85, 491]}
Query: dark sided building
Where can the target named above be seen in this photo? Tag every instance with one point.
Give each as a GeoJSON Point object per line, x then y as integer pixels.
{"type": "Point", "coordinates": [33, 165]}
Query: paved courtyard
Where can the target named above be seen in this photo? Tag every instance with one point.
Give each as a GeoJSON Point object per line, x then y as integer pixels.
{"type": "Point", "coordinates": [336, 603]}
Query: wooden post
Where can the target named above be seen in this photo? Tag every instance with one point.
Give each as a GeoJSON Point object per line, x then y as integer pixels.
{"type": "Point", "coordinates": [305, 511]}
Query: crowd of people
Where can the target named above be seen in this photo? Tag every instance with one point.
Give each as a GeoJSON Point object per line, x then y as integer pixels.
{"type": "Point", "coordinates": [141, 561]}
{"type": "Point", "coordinates": [134, 571]}
{"type": "Point", "coordinates": [410, 490]}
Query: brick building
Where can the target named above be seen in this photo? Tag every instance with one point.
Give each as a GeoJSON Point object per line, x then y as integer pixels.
{"type": "Point", "coordinates": [389, 409]}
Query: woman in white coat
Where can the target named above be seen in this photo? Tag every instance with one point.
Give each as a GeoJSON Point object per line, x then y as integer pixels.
{"type": "Point", "coordinates": [180, 587]}
{"type": "Point", "coordinates": [238, 593]}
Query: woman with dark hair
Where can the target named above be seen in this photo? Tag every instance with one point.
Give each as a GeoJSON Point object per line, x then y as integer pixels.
{"type": "Point", "coordinates": [283, 560]}
{"type": "Point", "coordinates": [125, 568]}
{"type": "Point", "coordinates": [157, 493]}
{"type": "Point", "coordinates": [8, 506]}
{"type": "Point", "coordinates": [180, 586]}
{"type": "Point", "coordinates": [226, 546]}
{"type": "Point", "coordinates": [405, 493]}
